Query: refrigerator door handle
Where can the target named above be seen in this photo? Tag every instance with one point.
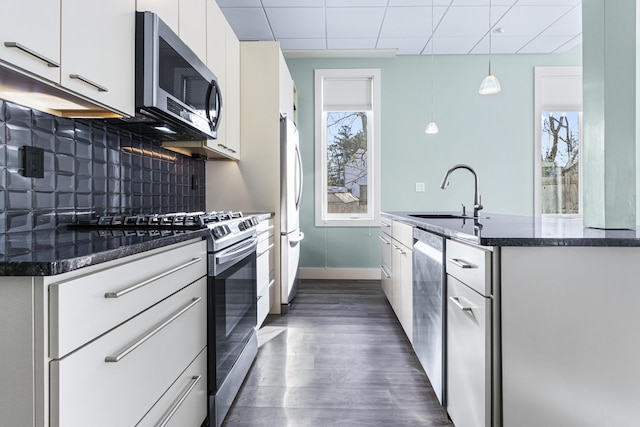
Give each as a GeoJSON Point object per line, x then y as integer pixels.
{"type": "Point", "coordinates": [295, 240]}
{"type": "Point", "coordinates": [298, 177]}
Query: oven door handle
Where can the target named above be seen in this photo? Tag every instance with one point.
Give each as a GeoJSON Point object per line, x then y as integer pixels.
{"type": "Point", "coordinates": [237, 252]}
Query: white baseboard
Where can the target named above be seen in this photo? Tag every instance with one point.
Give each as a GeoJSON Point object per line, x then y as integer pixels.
{"type": "Point", "coordinates": [339, 273]}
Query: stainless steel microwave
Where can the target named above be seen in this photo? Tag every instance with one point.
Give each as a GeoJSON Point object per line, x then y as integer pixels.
{"type": "Point", "coordinates": [177, 96]}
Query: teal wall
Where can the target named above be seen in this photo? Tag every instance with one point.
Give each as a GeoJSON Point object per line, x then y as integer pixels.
{"type": "Point", "coordinates": [493, 134]}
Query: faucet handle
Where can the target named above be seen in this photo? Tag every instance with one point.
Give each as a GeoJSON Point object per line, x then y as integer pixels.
{"type": "Point", "coordinates": [464, 209]}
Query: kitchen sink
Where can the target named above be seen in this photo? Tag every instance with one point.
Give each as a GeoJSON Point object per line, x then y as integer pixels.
{"type": "Point", "coordinates": [440, 216]}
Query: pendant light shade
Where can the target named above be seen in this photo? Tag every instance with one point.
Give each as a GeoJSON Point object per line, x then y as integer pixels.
{"type": "Point", "coordinates": [490, 85]}
{"type": "Point", "coordinates": [432, 128]}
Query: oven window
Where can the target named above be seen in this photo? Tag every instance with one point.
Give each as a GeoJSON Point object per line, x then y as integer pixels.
{"type": "Point", "coordinates": [180, 80]}
{"type": "Point", "coordinates": [235, 313]}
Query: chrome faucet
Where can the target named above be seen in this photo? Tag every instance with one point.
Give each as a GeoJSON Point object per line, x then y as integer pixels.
{"type": "Point", "coordinates": [477, 199]}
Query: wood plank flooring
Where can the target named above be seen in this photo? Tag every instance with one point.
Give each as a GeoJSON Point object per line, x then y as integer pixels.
{"type": "Point", "coordinates": [338, 358]}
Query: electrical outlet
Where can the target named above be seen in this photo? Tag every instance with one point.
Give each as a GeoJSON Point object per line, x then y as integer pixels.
{"type": "Point", "coordinates": [33, 163]}
{"type": "Point", "coordinates": [419, 187]}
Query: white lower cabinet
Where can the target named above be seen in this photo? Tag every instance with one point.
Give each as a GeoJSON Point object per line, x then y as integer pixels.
{"type": "Point", "coordinates": [113, 344]}
{"type": "Point", "coordinates": [468, 355]}
{"type": "Point", "coordinates": [471, 357]}
{"type": "Point", "coordinates": [266, 268]}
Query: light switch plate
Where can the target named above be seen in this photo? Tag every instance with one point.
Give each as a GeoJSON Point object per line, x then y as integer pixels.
{"type": "Point", "coordinates": [419, 187]}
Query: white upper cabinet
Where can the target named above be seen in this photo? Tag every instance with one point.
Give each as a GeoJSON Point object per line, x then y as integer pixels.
{"type": "Point", "coordinates": [232, 85]}
{"type": "Point", "coordinates": [98, 51]}
{"type": "Point", "coordinates": [37, 52]}
{"type": "Point", "coordinates": [193, 26]}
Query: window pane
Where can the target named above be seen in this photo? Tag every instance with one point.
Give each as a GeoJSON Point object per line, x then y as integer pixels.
{"type": "Point", "coordinates": [347, 165]}
{"type": "Point", "coordinates": [560, 148]}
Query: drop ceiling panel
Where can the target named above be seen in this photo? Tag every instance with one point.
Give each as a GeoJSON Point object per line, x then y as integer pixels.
{"type": "Point", "coordinates": [530, 20]}
{"type": "Point", "coordinates": [293, 3]}
{"type": "Point", "coordinates": [454, 45]}
{"type": "Point", "coordinates": [340, 22]}
{"type": "Point", "coordinates": [405, 25]}
{"type": "Point", "coordinates": [408, 45]}
{"type": "Point", "coordinates": [369, 43]}
{"type": "Point", "coordinates": [248, 23]}
{"type": "Point", "coordinates": [544, 43]}
{"type": "Point", "coordinates": [293, 22]}
{"type": "Point", "coordinates": [303, 44]}
{"type": "Point", "coordinates": [356, 3]}
{"type": "Point", "coordinates": [468, 21]}
{"type": "Point", "coordinates": [569, 24]}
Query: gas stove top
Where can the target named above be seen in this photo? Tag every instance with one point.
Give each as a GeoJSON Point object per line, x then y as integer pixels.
{"type": "Point", "coordinates": [220, 224]}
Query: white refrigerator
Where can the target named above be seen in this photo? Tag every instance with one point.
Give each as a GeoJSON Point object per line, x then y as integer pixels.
{"type": "Point", "coordinates": [291, 193]}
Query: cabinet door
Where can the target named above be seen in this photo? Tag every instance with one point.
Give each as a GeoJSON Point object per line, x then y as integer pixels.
{"type": "Point", "coordinates": [167, 10]}
{"type": "Point", "coordinates": [406, 290]}
{"type": "Point", "coordinates": [468, 356]}
{"type": "Point", "coordinates": [98, 47]}
{"type": "Point", "coordinates": [193, 26]}
{"type": "Point", "coordinates": [32, 28]}
{"type": "Point", "coordinates": [286, 89]}
{"type": "Point", "coordinates": [385, 266]}
{"type": "Point", "coordinates": [231, 111]}
{"type": "Point", "coordinates": [217, 62]}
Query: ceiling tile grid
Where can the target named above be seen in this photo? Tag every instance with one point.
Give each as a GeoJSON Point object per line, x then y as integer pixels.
{"type": "Point", "coordinates": [404, 26]}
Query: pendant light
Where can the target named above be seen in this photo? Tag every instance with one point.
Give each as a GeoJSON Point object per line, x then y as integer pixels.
{"type": "Point", "coordinates": [490, 84]}
{"type": "Point", "coordinates": [432, 127]}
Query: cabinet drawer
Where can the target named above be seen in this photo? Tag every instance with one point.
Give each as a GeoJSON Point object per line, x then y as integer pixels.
{"type": "Point", "coordinates": [468, 356]}
{"type": "Point", "coordinates": [403, 233]}
{"type": "Point", "coordinates": [83, 381]}
{"type": "Point", "coordinates": [265, 262]}
{"type": "Point", "coordinates": [87, 306]}
{"type": "Point", "coordinates": [385, 226]}
{"type": "Point", "coordinates": [470, 265]}
{"type": "Point", "coordinates": [265, 227]}
{"type": "Point", "coordinates": [185, 403]}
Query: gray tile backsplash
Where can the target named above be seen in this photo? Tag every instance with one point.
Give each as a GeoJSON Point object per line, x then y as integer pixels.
{"type": "Point", "coordinates": [90, 168]}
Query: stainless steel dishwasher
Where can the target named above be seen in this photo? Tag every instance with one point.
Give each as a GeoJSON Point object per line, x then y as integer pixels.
{"type": "Point", "coordinates": [429, 307]}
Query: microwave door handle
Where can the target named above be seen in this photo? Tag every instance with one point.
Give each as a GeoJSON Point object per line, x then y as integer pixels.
{"type": "Point", "coordinates": [217, 92]}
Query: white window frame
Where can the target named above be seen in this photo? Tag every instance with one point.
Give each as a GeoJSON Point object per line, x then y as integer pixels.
{"type": "Point", "coordinates": [566, 97]}
{"type": "Point", "coordinates": [322, 217]}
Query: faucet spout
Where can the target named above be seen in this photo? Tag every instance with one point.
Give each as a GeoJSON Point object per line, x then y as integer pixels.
{"type": "Point", "coordinates": [477, 199]}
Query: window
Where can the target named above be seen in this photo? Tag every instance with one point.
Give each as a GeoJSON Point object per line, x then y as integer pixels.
{"type": "Point", "coordinates": [558, 141]}
{"type": "Point", "coordinates": [347, 109]}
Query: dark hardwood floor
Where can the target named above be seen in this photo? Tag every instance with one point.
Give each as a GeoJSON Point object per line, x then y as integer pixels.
{"type": "Point", "coordinates": [338, 358]}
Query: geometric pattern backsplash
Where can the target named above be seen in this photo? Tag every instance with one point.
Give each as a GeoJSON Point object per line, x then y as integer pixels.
{"type": "Point", "coordinates": [90, 168]}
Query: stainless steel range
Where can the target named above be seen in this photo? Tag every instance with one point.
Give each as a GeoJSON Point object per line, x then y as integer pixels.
{"type": "Point", "coordinates": [231, 291]}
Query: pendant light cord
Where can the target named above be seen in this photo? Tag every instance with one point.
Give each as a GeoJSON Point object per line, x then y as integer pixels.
{"type": "Point", "coordinates": [432, 68]}
{"type": "Point", "coordinates": [489, 36]}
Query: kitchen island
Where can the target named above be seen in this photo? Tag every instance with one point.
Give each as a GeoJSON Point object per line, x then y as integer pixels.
{"type": "Point", "coordinates": [552, 302]}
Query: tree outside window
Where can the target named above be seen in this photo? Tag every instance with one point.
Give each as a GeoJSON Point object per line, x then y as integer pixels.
{"type": "Point", "coordinates": [347, 162]}
{"type": "Point", "coordinates": [560, 156]}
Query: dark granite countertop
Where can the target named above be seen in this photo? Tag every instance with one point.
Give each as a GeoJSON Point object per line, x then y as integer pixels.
{"type": "Point", "coordinates": [514, 230]}
{"type": "Point", "coordinates": [51, 252]}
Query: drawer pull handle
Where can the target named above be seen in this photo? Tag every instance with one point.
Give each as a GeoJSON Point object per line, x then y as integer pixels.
{"type": "Point", "coordinates": [174, 408]}
{"type": "Point", "coordinates": [266, 250]}
{"type": "Point", "coordinates": [384, 271]}
{"type": "Point", "coordinates": [125, 291]}
{"type": "Point", "coordinates": [461, 263]}
{"type": "Point", "coordinates": [49, 62]}
{"type": "Point", "coordinates": [89, 82]}
{"type": "Point", "coordinates": [386, 242]}
{"type": "Point", "coordinates": [151, 333]}
{"type": "Point", "coordinates": [456, 301]}
{"type": "Point", "coordinates": [399, 249]}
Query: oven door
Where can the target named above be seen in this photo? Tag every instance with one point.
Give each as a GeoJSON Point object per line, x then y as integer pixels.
{"type": "Point", "coordinates": [233, 305]}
